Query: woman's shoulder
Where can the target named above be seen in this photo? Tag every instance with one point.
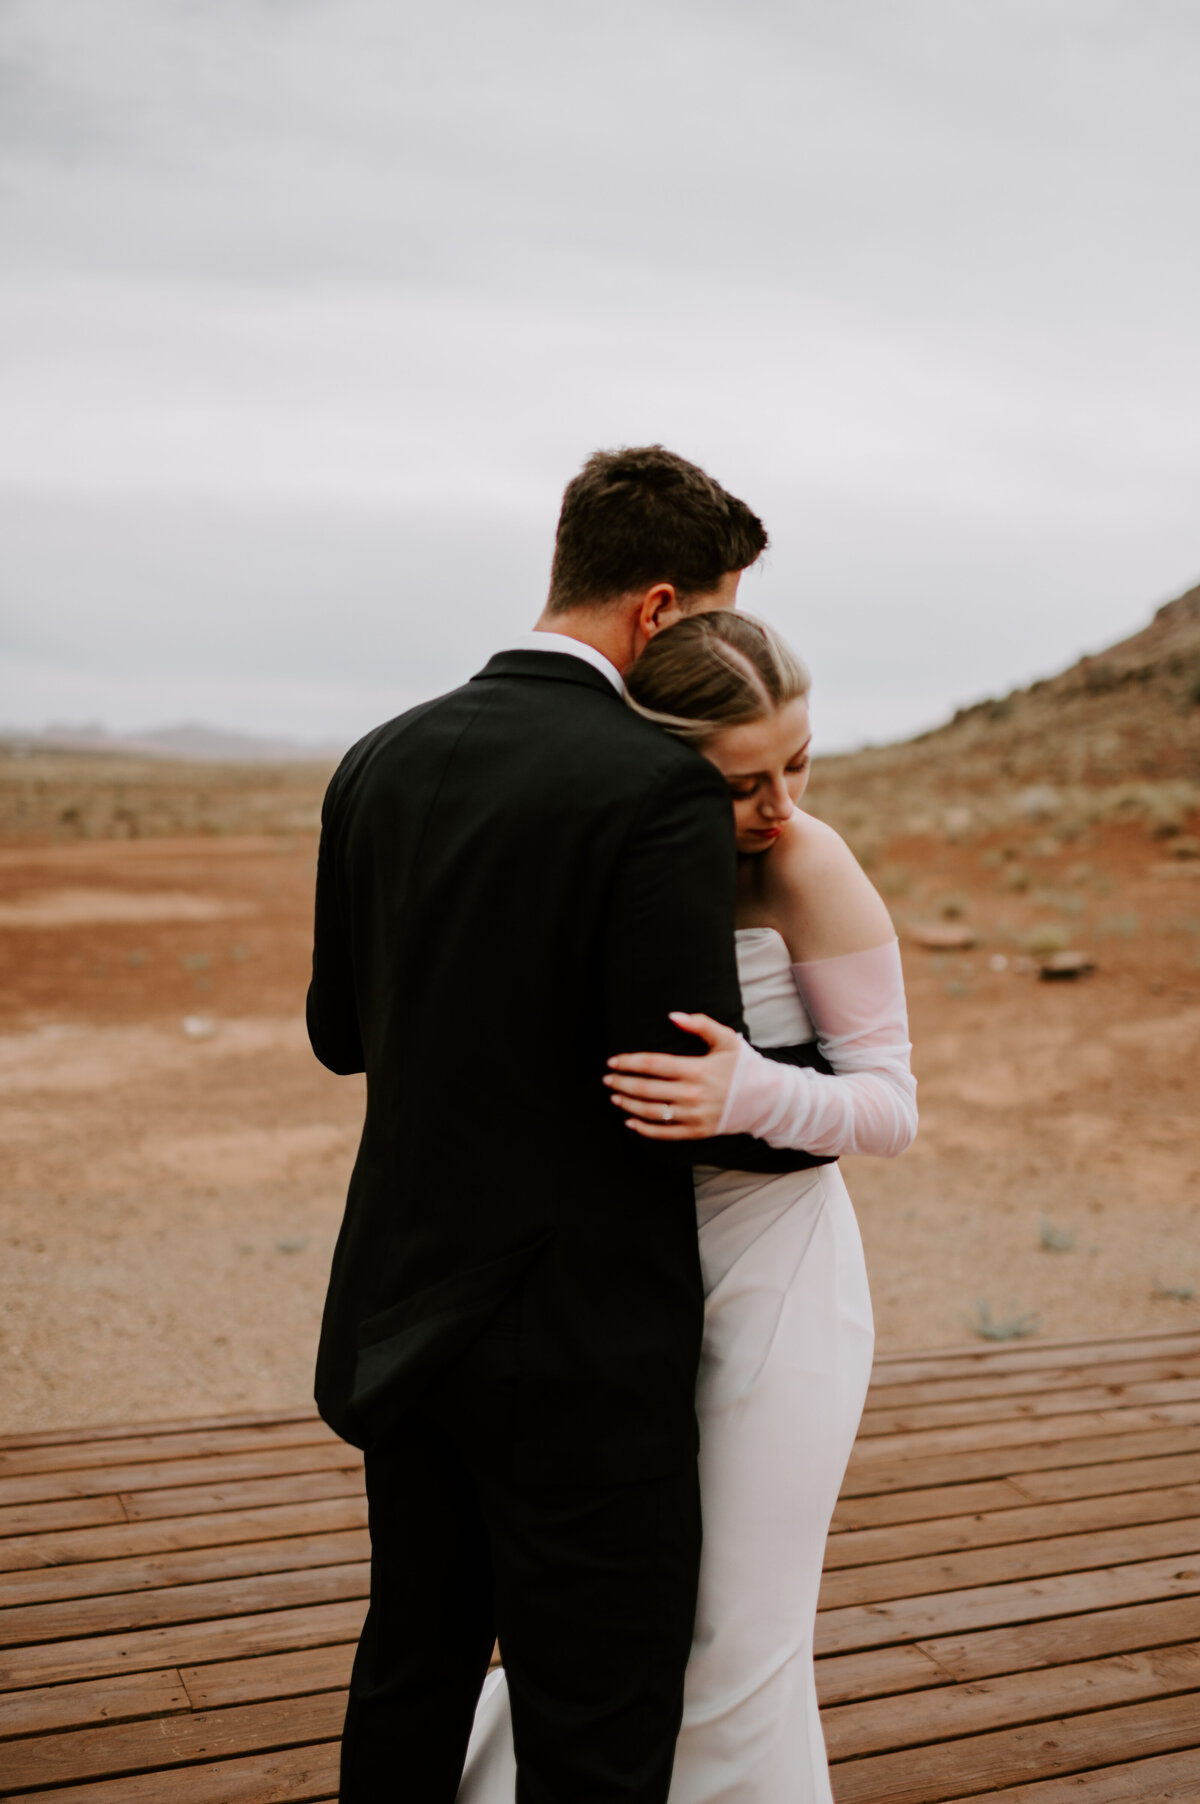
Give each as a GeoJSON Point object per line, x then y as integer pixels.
{"type": "Point", "coordinates": [809, 854]}
{"type": "Point", "coordinates": [823, 900]}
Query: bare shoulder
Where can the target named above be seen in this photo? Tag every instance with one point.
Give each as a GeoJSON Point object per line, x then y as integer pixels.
{"type": "Point", "coordinates": [818, 896]}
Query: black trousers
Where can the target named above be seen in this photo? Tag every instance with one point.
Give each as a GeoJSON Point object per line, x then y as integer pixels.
{"type": "Point", "coordinates": [591, 1590]}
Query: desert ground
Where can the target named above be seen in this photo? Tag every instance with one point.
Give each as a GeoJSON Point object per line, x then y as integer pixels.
{"type": "Point", "coordinates": [174, 1158]}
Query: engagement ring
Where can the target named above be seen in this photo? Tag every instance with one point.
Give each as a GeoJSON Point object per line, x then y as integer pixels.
{"type": "Point", "coordinates": [668, 1113]}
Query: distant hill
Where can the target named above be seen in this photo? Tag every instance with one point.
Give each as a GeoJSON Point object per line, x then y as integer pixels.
{"type": "Point", "coordinates": [190, 741]}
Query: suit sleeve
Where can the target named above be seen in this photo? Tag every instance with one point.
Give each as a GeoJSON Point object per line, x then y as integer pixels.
{"type": "Point", "coordinates": [331, 1011]}
{"type": "Point", "coordinates": [669, 945]}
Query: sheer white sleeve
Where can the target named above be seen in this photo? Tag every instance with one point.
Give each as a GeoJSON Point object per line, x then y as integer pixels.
{"type": "Point", "coordinates": [856, 1004]}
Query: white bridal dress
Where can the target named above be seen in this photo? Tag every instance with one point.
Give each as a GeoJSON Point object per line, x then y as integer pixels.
{"type": "Point", "coordinates": [788, 1340]}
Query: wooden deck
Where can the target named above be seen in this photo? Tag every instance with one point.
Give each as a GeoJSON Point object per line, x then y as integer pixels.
{"type": "Point", "coordinates": [1011, 1606]}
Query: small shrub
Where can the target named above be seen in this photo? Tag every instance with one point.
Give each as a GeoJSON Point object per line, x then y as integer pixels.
{"type": "Point", "coordinates": [1047, 938]}
{"type": "Point", "coordinates": [1054, 1240]}
{"type": "Point", "coordinates": [954, 907]}
{"type": "Point", "coordinates": [1014, 1327]}
{"type": "Point", "coordinates": [1121, 927]}
{"type": "Point", "coordinates": [1175, 1293]}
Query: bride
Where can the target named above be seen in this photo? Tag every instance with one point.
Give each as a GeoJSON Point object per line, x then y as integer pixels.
{"type": "Point", "coordinates": [788, 1333]}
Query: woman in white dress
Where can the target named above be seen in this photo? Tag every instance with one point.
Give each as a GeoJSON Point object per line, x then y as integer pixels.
{"type": "Point", "coordinates": [788, 1333]}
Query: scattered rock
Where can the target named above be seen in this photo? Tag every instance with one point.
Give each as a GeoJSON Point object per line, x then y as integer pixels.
{"type": "Point", "coordinates": [943, 936]}
{"type": "Point", "coordinates": [1186, 846]}
{"type": "Point", "coordinates": [198, 1027]}
{"type": "Point", "coordinates": [1062, 966]}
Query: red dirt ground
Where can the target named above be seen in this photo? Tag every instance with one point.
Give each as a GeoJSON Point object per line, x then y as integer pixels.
{"type": "Point", "coordinates": [170, 1199]}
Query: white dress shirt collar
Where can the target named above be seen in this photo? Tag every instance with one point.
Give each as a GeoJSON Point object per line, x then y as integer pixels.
{"type": "Point", "coordinates": [574, 648]}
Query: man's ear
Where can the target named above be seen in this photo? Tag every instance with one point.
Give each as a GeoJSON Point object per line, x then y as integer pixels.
{"type": "Point", "coordinates": [659, 609]}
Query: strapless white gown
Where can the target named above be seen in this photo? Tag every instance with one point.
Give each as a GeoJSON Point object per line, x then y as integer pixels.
{"type": "Point", "coordinates": [788, 1342]}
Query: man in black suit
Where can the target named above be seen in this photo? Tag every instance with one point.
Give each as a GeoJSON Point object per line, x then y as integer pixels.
{"type": "Point", "coordinates": [514, 882]}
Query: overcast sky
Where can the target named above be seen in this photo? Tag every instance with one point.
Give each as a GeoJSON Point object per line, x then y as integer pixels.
{"type": "Point", "coordinates": [311, 309]}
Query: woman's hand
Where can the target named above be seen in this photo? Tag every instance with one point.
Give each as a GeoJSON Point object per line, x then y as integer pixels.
{"type": "Point", "coordinates": [670, 1098]}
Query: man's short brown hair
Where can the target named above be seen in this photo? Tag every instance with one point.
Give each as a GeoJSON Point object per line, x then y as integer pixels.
{"type": "Point", "coordinates": [641, 516]}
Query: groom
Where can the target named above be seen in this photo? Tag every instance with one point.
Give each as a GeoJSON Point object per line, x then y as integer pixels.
{"type": "Point", "coordinates": [515, 881]}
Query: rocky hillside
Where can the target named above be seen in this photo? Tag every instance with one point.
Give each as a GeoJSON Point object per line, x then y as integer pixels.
{"type": "Point", "coordinates": [1118, 734]}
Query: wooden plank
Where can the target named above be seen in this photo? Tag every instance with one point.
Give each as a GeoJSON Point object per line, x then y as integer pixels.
{"type": "Point", "coordinates": [845, 1678]}
{"type": "Point", "coordinates": [225, 1682]}
{"type": "Point", "coordinates": [71, 1512]}
{"type": "Point", "coordinates": [961, 1361]}
{"type": "Point", "coordinates": [987, 1383]}
{"type": "Point", "coordinates": [989, 1606]}
{"type": "Point", "coordinates": [118, 1698]}
{"type": "Point", "coordinates": [238, 1494]}
{"type": "Point", "coordinates": [999, 1565]}
{"type": "Point", "coordinates": [98, 1753]}
{"type": "Point", "coordinates": [189, 1566]}
{"type": "Point", "coordinates": [307, 1775]}
{"type": "Point", "coordinates": [224, 1638]}
{"type": "Point", "coordinates": [874, 1479]}
{"type": "Point", "coordinates": [1027, 1407]}
{"type": "Point", "coordinates": [968, 1437]}
{"type": "Point", "coordinates": [952, 1711]}
{"type": "Point", "coordinates": [244, 1596]}
{"type": "Point", "coordinates": [53, 1437]}
{"type": "Point", "coordinates": [1167, 1779]}
{"type": "Point", "coordinates": [1124, 1475]}
{"type": "Point", "coordinates": [1057, 1641]}
{"type": "Point", "coordinates": [1011, 1757]}
{"type": "Point", "coordinates": [130, 1449]}
{"type": "Point", "coordinates": [1038, 1521]}
{"type": "Point", "coordinates": [104, 1481]}
{"type": "Point", "coordinates": [167, 1534]}
{"type": "Point", "coordinates": [869, 1511]}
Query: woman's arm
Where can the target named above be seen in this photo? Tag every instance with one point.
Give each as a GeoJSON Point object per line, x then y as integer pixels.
{"type": "Point", "coordinates": [856, 1003]}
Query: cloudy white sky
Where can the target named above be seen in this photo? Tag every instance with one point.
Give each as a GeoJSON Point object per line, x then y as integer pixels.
{"type": "Point", "coordinates": [312, 307]}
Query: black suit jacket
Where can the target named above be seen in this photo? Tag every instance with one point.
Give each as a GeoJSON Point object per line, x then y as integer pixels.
{"type": "Point", "coordinates": [514, 882]}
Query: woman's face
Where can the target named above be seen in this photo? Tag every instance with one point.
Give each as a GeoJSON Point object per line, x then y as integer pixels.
{"type": "Point", "coordinates": [765, 764]}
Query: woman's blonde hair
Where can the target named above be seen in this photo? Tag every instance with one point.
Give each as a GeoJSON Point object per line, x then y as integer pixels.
{"type": "Point", "coordinates": [714, 670]}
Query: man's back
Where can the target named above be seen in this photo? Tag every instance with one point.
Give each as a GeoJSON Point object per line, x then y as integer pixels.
{"type": "Point", "coordinates": [516, 881]}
